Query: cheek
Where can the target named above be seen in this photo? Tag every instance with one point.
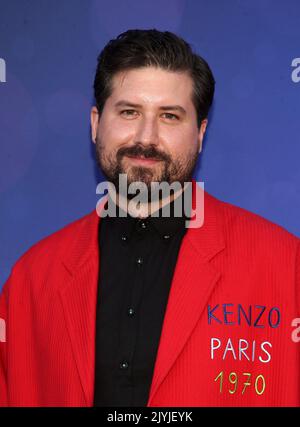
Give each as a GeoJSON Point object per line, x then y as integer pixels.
{"type": "Point", "coordinates": [115, 132]}
{"type": "Point", "coordinates": [180, 142]}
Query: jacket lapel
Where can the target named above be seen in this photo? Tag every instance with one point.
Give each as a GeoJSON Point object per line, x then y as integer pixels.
{"type": "Point", "coordinates": [193, 281]}
{"type": "Point", "coordinates": [79, 304]}
{"type": "Point", "coordinates": [79, 299]}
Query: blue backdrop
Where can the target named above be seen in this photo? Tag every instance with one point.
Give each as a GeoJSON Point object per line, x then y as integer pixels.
{"type": "Point", "coordinates": [49, 48]}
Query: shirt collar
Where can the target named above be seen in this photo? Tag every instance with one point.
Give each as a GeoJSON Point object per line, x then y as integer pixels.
{"type": "Point", "coordinates": [166, 226]}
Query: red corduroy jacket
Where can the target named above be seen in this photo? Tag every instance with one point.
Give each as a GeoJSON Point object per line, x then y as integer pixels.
{"type": "Point", "coordinates": [229, 337]}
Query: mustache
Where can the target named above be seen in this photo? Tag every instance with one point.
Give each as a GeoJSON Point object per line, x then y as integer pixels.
{"type": "Point", "coordinates": [138, 150]}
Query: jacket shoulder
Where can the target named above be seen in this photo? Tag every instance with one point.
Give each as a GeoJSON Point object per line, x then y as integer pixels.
{"type": "Point", "coordinates": [237, 220]}
{"type": "Point", "coordinates": [52, 247]}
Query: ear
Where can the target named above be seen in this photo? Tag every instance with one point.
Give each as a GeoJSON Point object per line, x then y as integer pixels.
{"type": "Point", "coordinates": [94, 123]}
{"type": "Point", "coordinates": [201, 134]}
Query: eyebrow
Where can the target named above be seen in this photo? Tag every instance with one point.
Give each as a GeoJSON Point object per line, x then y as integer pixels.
{"type": "Point", "coordinates": [124, 103]}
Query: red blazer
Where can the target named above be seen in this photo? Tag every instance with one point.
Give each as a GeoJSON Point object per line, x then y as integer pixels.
{"type": "Point", "coordinates": [227, 337]}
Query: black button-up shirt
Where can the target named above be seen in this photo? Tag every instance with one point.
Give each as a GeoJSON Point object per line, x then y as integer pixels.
{"type": "Point", "coordinates": [137, 261]}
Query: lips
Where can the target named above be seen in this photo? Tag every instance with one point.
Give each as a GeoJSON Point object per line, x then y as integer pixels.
{"type": "Point", "coordinates": [143, 160]}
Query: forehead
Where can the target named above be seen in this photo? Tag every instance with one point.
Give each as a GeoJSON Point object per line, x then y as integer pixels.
{"type": "Point", "coordinates": [150, 85]}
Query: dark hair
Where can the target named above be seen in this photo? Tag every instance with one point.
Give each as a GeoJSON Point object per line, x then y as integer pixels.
{"type": "Point", "coordinates": [143, 48]}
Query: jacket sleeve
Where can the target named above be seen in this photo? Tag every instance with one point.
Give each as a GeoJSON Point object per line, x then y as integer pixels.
{"type": "Point", "coordinates": [3, 344]}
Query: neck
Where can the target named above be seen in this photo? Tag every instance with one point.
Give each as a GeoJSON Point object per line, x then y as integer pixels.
{"type": "Point", "coordinates": [142, 210]}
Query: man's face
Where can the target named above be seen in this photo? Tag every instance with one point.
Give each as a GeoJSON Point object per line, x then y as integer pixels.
{"type": "Point", "coordinates": [148, 127]}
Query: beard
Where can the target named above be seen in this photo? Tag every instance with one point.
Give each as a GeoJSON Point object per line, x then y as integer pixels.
{"type": "Point", "coordinates": [167, 169]}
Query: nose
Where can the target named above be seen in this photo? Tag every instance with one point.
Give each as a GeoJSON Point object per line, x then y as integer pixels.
{"type": "Point", "coordinates": [147, 131]}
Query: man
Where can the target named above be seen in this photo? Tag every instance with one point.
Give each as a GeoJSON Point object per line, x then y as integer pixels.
{"type": "Point", "coordinates": [146, 309]}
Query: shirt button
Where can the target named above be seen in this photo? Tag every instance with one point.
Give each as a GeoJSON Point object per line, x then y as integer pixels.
{"type": "Point", "coordinates": [130, 312]}
{"type": "Point", "coordinates": [139, 261]}
{"type": "Point", "coordinates": [141, 225]}
{"type": "Point", "coordinates": [123, 238]}
{"type": "Point", "coordinates": [166, 236]}
{"type": "Point", "coordinates": [124, 365]}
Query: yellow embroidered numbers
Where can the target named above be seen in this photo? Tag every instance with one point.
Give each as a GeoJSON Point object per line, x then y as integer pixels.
{"type": "Point", "coordinates": [234, 382]}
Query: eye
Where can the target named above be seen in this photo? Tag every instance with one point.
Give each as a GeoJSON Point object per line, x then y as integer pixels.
{"type": "Point", "coordinates": [171, 116]}
{"type": "Point", "coordinates": [128, 113]}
